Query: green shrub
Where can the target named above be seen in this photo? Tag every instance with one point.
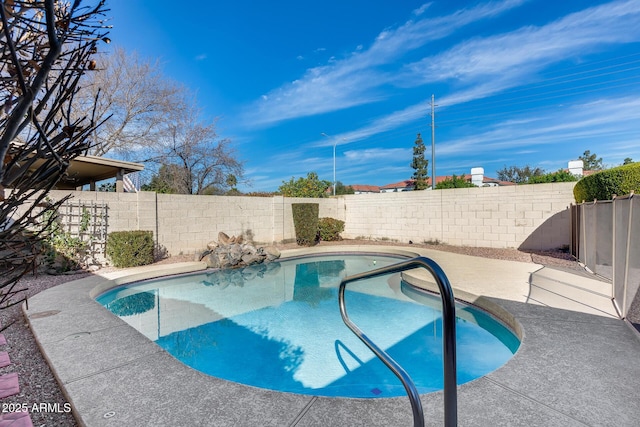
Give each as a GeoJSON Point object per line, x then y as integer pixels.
{"type": "Point", "coordinates": [63, 251]}
{"type": "Point", "coordinates": [620, 181]}
{"type": "Point", "coordinates": [330, 229]}
{"type": "Point", "coordinates": [558, 176]}
{"type": "Point", "coordinates": [130, 248]}
{"type": "Point", "coordinates": [305, 220]}
{"type": "Point", "coordinates": [454, 182]}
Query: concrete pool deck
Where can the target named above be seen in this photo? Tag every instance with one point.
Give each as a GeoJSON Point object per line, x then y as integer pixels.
{"type": "Point", "coordinates": [577, 365]}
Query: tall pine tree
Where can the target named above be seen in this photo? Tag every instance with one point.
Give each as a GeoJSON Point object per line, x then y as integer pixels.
{"type": "Point", "coordinates": [419, 164]}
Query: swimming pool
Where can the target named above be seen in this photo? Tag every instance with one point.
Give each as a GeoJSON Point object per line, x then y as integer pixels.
{"type": "Point", "coordinates": [278, 326]}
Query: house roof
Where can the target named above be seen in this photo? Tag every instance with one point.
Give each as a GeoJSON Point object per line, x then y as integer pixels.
{"type": "Point", "coordinates": [87, 169]}
{"type": "Point", "coordinates": [487, 180]}
{"type": "Point", "coordinates": [402, 184]}
{"type": "Point", "coordinates": [363, 188]}
{"type": "Point", "coordinates": [84, 170]}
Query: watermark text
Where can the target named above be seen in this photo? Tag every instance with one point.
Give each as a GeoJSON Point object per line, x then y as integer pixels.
{"type": "Point", "coordinates": [48, 407]}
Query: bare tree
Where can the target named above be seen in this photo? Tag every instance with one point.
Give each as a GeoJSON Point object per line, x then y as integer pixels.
{"type": "Point", "coordinates": [45, 48]}
{"type": "Point", "coordinates": [137, 98]}
{"type": "Point", "coordinates": [195, 159]}
{"type": "Point", "coordinates": [152, 117]}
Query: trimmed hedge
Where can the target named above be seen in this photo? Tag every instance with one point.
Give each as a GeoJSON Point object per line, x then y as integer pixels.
{"type": "Point", "coordinates": [305, 221]}
{"type": "Point", "coordinates": [330, 229]}
{"type": "Point", "coordinates": [130, 248]}
{"type": "Point", "coordinates": [620, 181]}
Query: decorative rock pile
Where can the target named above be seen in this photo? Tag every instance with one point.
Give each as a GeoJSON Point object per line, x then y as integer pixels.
{"type": "Point", "coordinates": [234, 252]}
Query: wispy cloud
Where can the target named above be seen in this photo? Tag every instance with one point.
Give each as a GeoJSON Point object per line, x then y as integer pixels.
{"type": "Point", "coordinates": [372, 154]}
{"type": "Point", "coordinates": [201, 57]}
{"type": "Point", "coordinates": [602, 118]}
{"type": "Point", "coordinates": [357, 79]}
{"type": "Point", "coordinates": [271, 174]}
{"type": "Point", "coordinates": [414, 112]}
{"type": "Point", "coordinates": [419, 11]}
{"type": "Point", "coordinates": [530, 49]}
{"type": "Point", "coordinates": [489, 66]}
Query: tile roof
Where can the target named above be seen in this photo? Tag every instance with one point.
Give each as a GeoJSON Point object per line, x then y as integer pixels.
{"type": "Point", "coordinates": [363, 188]}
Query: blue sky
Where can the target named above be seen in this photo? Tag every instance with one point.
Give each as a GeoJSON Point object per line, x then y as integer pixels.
{"type": "Point", "coordinates": [516, 82]}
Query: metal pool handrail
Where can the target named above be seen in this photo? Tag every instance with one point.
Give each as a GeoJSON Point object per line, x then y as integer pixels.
{"type": "Point", "coordinates": [448, 337]}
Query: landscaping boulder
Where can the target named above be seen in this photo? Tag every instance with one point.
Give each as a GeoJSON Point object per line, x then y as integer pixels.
{"type": "Point", "coordinates": [272, 253]}
{"type": "Point", "coordinates": [233, 252]}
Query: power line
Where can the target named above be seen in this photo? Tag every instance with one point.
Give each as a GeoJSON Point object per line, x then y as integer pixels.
{"type": "Point", "coordinates": [569, 75]}
{"type": "Point", "coordinates": [539, 96]}
{"type": "Point", "coordinates": [535, 95]}
{"type": "Point", "coordinates": [547, 98]}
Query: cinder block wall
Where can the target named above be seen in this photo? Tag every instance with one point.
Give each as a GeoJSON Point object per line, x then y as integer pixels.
{"type": "Point", "coordinates": [187, 223]}
{"type": "Point", "coordinates": [524, 216]}
{"type": "Point", "coordinates": [124, 209]}
{"type": "Point", "coordinates": [527, 216]}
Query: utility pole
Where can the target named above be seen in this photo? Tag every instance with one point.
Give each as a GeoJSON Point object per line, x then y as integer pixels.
{"type": "Point", "coordinates": [433, 142]}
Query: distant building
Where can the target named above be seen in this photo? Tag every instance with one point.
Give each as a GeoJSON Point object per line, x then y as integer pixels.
{"type": "Point", "coordinates": [476, 177]}
{"type": "Point", "coordinates": [406, 185]}
{"type": "Point", "coordinates": [479, 180]}
{"type": "Point", "coordinates": [365, 189]}
{"type": "Point", "coordinates": [576, 167]}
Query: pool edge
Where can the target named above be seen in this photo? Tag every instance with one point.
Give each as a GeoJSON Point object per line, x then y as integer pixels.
{"type": "Point", "coordinates": [296, 404]}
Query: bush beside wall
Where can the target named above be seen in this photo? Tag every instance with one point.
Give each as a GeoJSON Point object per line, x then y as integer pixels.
{"type": "Point", "coordinates": [620, 181]}
{"type": "Point", "coordinates": [330, 229]}
{"type": "Point", "coordinates": [305, 220]}
{"type": "Point", "coordinates": [130, 248]}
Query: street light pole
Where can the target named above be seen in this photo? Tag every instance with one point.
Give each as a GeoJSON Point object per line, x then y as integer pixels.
{"type": "Point", "coordinates": [334, 168]}
{"type": "Point", "coordinates": [334, 161]}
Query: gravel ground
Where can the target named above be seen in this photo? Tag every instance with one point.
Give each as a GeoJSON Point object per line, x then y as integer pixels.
{"type": "Point", "coordinates": [38, 385]}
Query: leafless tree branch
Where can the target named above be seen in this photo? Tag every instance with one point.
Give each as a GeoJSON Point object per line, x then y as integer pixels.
{"type": "Point", "coordinates": [46, 47]}
{"type": "Point", "coordinates": [137, 96]}
{"type": "Point", "coordinates": [195, 159]}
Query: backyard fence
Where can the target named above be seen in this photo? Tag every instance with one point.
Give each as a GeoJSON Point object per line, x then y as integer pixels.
{"type": "Point", "coordinates": [529, 217]}
{"type": "Point", "coordinates": [605, 236]}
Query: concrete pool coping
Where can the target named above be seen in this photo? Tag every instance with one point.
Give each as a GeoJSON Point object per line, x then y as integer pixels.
{"type": "Point", "coordinates": [573, 368]}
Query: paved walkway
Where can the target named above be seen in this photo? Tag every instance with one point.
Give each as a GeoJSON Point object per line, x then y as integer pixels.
{"type": "Point", "coordinates": [576, 366]}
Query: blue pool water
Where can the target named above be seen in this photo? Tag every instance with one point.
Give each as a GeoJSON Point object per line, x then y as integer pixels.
{"type": "Point", "coordinates": [278, 326]}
